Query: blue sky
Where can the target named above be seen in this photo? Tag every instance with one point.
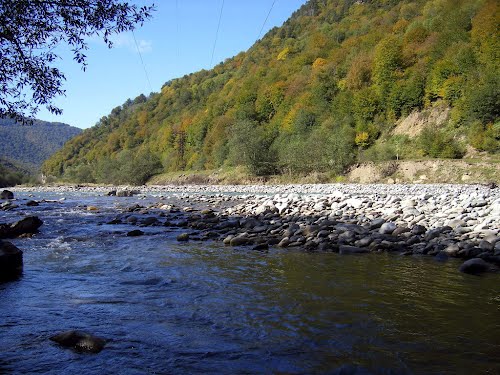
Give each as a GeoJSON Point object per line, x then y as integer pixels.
{"type": "Point", "coordinates": [177, 41]}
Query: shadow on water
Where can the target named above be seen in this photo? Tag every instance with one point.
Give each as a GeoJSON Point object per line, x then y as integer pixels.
{"type": "Point", "coordinates": [205, 308]}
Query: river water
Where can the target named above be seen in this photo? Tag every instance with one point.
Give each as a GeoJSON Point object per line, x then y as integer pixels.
{"type": "Point", "coordinates": [202, 308]}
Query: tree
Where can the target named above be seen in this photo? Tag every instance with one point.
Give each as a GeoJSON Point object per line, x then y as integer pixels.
{"type": "Point", "coordinates": [29, 32]}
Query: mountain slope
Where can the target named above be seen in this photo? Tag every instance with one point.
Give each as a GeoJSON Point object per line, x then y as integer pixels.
{"type": "Point", "coordinates": [317, 94]}
{"type": "Point", "coordinates": [29, 145]}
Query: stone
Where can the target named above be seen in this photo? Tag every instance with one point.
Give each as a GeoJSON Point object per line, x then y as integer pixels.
{"type": "Point", "coordinates": [454, 223]}
{"type": "Point", "coordinates": [131, 219]}
{"type": "Point", "coordinates": [387, 228]}
{"type": "Point", "coordinates": [135, 233]}
{"type": "Point", "coordinates": [227, 240]}
{"type": "Point", "coordinates": [400, 230]}
{"type": "Point", "coordinates": [485, 245]}
{"type": "Point", "coordinates": [376, 223]}
{"type": "Point", "coordinates": [111, 193]}
{"type": "Point", "coordinates": [479, 203]}
{"type": "Point", "coordinates": [126, 193]}
{"type": "Point", "coordinates": [149, 221]}
{"type": "Point", "coordinates": [452, 250]}
{"type": "Point", "coordinates": [476, 266]}
{"type": "Point", "coordinates": [363, 242]}
{"type": "Point", "coordinates": [354, 202]}
{"type": "Point", "coordinates": [79, 341]}
{"type": "Point", "coordinates": [92, 208]}
{"type": "Point", "coordinates": [6, 194]}
{"type": "Point", "coordinates": [183, 237]}
{"type": "Point", "coordinates": [11, 261]}
{"type": "Point", "coordinates": [238, 241]}
{"type": "Point", "coordinates": [284, 242]}
{"type": "Point", "coordinates": [408, 203]}
{"type": "Point", "coordinates": [32, 203]}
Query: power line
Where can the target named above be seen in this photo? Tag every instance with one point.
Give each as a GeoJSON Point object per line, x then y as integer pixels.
{"type": "Point", "coordinates": [267, 17]}
{"type": "Point", "coordinates": [217, 33]}
{"type": "Point", "coordinates": [142, 62]}
{"type": "Point", "coordinates": [177, 30]}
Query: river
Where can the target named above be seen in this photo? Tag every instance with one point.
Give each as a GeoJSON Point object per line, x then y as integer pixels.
{"type": "Point", "coordinates": [202, 308]}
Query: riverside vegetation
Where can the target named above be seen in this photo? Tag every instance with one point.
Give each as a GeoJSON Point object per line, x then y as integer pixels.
{"type": "Point", "coordinates": [318, 94]}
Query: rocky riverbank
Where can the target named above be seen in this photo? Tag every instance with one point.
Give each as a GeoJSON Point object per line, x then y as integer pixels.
{"type": "Point", "coordinates": [457, 221]}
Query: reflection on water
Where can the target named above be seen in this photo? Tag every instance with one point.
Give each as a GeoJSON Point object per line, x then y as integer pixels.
{"type": "Point", "coordinates": [203, 308]}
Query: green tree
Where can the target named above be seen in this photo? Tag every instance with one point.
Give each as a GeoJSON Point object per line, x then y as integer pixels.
{"type": "Point", "coordinates": [29, 33]}
{"type": "Point", "coordinates": [250, 146]}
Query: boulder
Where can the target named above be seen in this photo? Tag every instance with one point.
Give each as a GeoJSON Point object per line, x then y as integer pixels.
{"type": "Point", "coordinates": [476, 266]}
{"type": "Point", "coordinates": [32, 203]}
{"type": "Point", "coordinates": [11, 261]}
{"type": "Point", "coordinates": [79, 341]}
{"type": "Point", "coordinates": [6, 194]}
{"type": "Point", "coordinates": [29, 224]}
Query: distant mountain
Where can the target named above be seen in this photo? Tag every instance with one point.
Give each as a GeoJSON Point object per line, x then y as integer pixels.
{"type": "Point", "coordinates": [27, 146]}
{"type": "Point", "coordinates": [320, 93]}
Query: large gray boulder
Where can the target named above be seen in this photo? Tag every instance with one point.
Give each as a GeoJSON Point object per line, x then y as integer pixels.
{"type": "Point", "coordinates": [11, 261]}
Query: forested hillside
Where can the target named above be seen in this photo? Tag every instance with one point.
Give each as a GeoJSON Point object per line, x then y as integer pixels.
{"type": "Point", "coordinates": [29, 146]}
{"type": "Point", "coordinates": [319, 93]}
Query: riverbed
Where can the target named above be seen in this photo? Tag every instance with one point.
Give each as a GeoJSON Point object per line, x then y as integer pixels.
{"type": "Point", "coordinates": [199, 307]}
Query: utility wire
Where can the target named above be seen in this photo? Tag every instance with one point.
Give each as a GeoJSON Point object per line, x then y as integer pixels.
{"type": "Point", "coordinates": [217, 33]}
{"type": "Point", "coordinates": [177, 31]}
{"type": "Point", "coordinates": [142, 61]}
{"type": "Point", "coordinates": [265, 21]}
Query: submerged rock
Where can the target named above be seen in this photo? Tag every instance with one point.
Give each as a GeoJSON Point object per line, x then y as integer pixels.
{"type": "Point", "coordinates": [476, 266]}
{"type": "Point", "coordinates": [79, 341]}
{"type": "Point", "coordinates": [11, 261]}
{"type": "Point", "coordinates": [135, 233]}
{"type": "Point", "coordinates": [183, 237]}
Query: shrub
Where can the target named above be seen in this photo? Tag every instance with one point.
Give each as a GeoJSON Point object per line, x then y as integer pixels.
{"type": "Point", "coordinates": [249, 146]}
{"type": "Point", "coordinates": [485, 138]}
{"type": "Point", "coordinates": [322, 151]}
{"type": "Point", "coordinates": [438, 144]}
